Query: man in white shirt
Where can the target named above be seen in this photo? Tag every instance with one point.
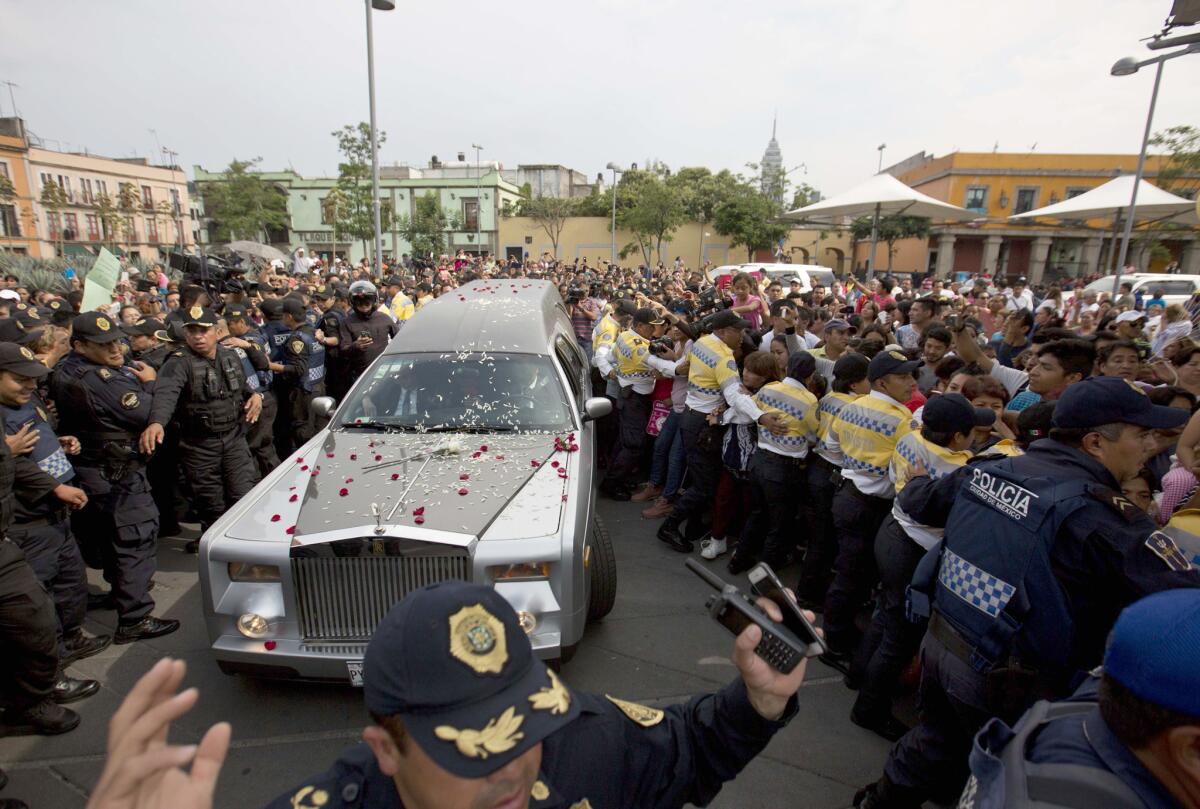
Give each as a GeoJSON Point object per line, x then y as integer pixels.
{"type": "Point", "coordinates": [1020, 296]}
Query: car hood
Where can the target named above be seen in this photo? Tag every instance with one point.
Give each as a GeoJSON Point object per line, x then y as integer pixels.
{"type": "Point", "coordinates": [457, 483]}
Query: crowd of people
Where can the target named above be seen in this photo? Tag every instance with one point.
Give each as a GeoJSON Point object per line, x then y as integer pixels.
{"type": "Point", "coordinates": [826, 431]}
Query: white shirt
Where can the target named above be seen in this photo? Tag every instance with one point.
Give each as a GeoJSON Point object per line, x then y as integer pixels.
{"type": "Point", "coordinates": [1022, 301]}
{"type": "Point", "coordinates": [1012, 379]}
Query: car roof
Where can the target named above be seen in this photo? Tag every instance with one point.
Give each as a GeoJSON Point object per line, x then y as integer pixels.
{"type": "Point", "coordinates": [518, 315]}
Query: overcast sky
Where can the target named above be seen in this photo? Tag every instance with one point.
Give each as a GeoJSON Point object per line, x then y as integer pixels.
{"type": "Point", "coordinates": [688, 82]}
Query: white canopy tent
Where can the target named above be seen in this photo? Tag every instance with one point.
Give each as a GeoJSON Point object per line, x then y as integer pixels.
{"type": "Point", "coordinates": [1112, 199]}
{"type": "Point", "coordinates": [882, 195]}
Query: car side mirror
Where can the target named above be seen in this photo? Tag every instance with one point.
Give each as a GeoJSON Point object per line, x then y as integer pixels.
{"type": "Point", "coordinates": [323, 406]}
{"type": "Point", "coordinates": [596, 407]}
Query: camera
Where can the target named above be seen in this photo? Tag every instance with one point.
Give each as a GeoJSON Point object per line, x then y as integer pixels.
{"type": "Point", "coordinates": [710, 300]}
{"type": "Point", "coordinates": [576, 293]}
{"type": "Point", "coordinates": [661, 345]}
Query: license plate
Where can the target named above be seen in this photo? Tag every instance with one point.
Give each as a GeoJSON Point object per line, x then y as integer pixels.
{"type": "Point", "coordinates": [355, 669]}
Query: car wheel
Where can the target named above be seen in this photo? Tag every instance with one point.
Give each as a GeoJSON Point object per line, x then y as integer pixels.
{"type": "Point", "coordinates": [602, 592]}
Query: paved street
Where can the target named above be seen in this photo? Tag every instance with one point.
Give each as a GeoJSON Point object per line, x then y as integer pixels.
{"type": "Point", "coordinates": [657, 647]}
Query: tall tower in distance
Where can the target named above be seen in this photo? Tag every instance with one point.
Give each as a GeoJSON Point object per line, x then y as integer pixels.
{"type": "Point", "coordinates": [772, 167]}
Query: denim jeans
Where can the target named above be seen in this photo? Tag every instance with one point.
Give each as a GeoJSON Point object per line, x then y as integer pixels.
{"type": "Point", "coordinates": [668, 464]}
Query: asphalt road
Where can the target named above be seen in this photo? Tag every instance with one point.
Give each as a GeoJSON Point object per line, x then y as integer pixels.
{"type": "Point", "coordinates": [657, 647]}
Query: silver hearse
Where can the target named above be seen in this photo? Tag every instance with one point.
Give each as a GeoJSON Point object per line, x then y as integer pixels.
{"type": "Point", "coordinates": [465, 451]}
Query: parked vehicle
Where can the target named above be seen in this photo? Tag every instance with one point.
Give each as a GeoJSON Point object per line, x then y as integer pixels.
{"type": "Point", "coordinates": [1175, 288]}
{"type": "Point", "coordinates": [465, 451]}
{"type": "Point", "coordinates": [807, 273]}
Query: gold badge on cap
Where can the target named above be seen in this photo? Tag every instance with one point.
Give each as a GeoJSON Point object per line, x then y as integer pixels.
{"type": "Point", "coordinates": [27, 354]}
{"type": "Point", "coordinates": [129, 401]}
{"type": "Point", "coordinates": [477, 639]}
{"type": "Point", "coordinates": [499, 735]}
{"type": "Point", "coordinates": [33, 315]}
{"type": "Point", "coordinates": [196, 312]}
{"type": "Point", "coordinates": [102, 324]}
{"type": "Point", "coordinates": [556, 699]}
{"type": "Point", "coordinates": [644, 716]}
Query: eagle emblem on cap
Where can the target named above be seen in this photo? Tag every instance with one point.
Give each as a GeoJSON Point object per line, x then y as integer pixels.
{"type": "Point", "coordinates": [33, 314]}
{"type": "Point", "coordinates": [196, 312]}
{"type": "Point", "coordinates": [102, 324]}
{"type": "Point", "coordinates": [477, 639]}
{"type": "Point", "coordinates": [27, 354]}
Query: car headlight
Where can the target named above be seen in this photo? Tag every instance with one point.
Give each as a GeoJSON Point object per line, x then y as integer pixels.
{"type": "Point", "coordinates": [520, 571]}
{"type": "Point", "coordinates": [252, 625]}
{"type": "Point", "coordinates": [245, 571]}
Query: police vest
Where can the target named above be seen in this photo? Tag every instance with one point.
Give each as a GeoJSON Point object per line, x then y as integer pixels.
{"type": "Point", "coordinates": [831, 404]}
{"type": "Point", "coordinates": [912, 449]}
{"type": "Point", "coordinates": [1003, 778]}
{"type": "Point", "coordinates": [631, 350]}
{"type": "Point", "coordinates": [994, 582]}
{"type": "Point", "coordinates": [605, 333]}
{"type": "Point", "coordinates": [796, 408]}
{"type": "Point", "coordinates": [710, 368]}
{"type": "Point", "coordinates": [315, 372]}
{"type": "Point", "coordinates": [214, 403]}
{"type": "Point", "coordinates": [402, 307]}
{"type": "Point", "coordinates": [275, 333]}
{"type": "Point", "coordinates": [252, 380]}
{"type": "Point", "coordinates": [47, 453]}
{"type": "Point", "coordinates": [868, 430]}
{"type": "Point", "coordinates": [266, 376]}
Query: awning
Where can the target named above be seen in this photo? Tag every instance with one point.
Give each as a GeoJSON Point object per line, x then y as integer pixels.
{"type": "Point", "coordinates": [70, 250]}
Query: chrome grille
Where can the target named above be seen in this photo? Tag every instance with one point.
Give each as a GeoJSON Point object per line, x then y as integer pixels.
{"type": "Point", "coordinates": [344, 598]}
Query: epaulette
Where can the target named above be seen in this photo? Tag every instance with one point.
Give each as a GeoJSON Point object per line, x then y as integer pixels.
{"type": "Point", "coordinates": [1117, 502]}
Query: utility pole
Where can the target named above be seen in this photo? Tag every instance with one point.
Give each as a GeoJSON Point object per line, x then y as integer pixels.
{"type": "Point", "coordinates": [478, 197]}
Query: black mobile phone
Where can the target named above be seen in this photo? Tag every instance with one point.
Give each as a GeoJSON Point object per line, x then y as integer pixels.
{"type": "Point", "coordinates": [765, 583]}
{"type": "Point", "coordinates": [732, 609]}
{"type": "Point", "coordinates": [365, 333]}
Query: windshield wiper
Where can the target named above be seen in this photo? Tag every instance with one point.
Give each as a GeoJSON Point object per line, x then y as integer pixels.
{"type": "Point", "coordinates": [375, 424]}
{"type": "Point", "coordinates": [470, 428]}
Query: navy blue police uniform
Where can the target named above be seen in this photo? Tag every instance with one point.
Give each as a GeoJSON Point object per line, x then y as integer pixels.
{"type": "Point", "coordinates": [302, 379]}
{"type": "Point", "coordinates": [273, 330]}
{"type": "Point", "coordinates": [207, 397]}
{"type": "Point", "coordinates": [106, 409]}
{"type": "Point", "coordinates": [255, 358]}
{"type": "Point", "coordinates": [452, 662]}
{"type": "Point", "coordinates": [1041, 552]}
{"type": "Point", "coordinates": [1067, 754]}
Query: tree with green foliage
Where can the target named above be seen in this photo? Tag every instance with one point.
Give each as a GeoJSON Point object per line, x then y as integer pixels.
{"type": "Point", "coordinates": [654, 213]}
{"type": "Point", "coordinates": [425, 230]}
{"type": "Point", "coordinates": [54, 199]}
{"type": "Point", "coordinates": [551, 214]}
{"type": "Point", "coordinates": [750, 219]}
{"type": "Point", "coordinates": [1179, 173]}
{"type": "Point", "coordinates": [109, 217]}
{"type": "Point", "coordinates": [356, 218]}
{"type": "Point", "coordinates": [241, 204]}
{"type": "Point", "coordinates": [805, 195]}
{"type": "Point", "coordinates": [128, 202]}
{"type": "Point", "coordinates": [891, 230]}
{"type": "Point", "coordinates": [8, 196]}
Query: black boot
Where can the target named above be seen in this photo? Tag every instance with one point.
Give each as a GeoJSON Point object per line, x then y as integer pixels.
{"type": "Point", "coordinates": [81, 645]}
{"type": "Point", "coordinates": [70, 689]}
{"type": "Point", "coordinates": [47, 718]}
{"type": "Point", "coordinates": [146, 628]}
{"type": "Point", "coordinates": [668, 532]}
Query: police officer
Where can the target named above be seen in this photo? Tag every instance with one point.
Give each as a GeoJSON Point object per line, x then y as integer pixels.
{"type": "Point", "coordinates": [146, 342]}
{"type": "Point", "coordinates": [273, 329]}
{"type": "Point", "coordinates": [302, 379]}
{"type": "Point", "coordinates": [364, 332]}
{"type": "Point", "coordinates": [1041, 552]}
{"type": "Point", "coordinates": [332, 308]}
{"type": "Point", "coordinates": [465, 715]}
{"type": "Point", "coordinates": [203, 385]}
{"type": "Point", "coordinates": [106, 404]}
{"type": "Point", "coordinates": [712, 380]}
{"type": "Point", "coordinates": [1126, 738]}
{"type": "Point", "coordinates": [866, 432]}
{"type": "Point", "coordinates": [237, 332]}
{"type": "Point", "coordinates": [635, 368]}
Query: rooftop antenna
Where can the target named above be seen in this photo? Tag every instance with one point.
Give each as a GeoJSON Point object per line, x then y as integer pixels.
{"type": "Point", "coordinates": [12, 98]}
{"type": "Point", "coordinates": [996, 147]}
{"type": "Point", "coordinates": [1033, 148]}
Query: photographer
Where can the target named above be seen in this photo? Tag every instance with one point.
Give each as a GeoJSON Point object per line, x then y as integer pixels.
{"type": "Point", "coordinates": [584, 314]}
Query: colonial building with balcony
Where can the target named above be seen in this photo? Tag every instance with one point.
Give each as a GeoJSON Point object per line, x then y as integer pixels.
{"type": "Point", "coordinates": [1000, 185]}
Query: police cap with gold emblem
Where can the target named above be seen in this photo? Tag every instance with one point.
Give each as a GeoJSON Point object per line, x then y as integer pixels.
{"type": "Point", "coordinates": [891, 362]}
{"type": "Point", "coordinates": [199, 316]}
{"type": "Point", "coordinates": [96, 327]}
{"type": "Point", "coordinates": [322, 292]}
{"type": "Point", "coordinates": [294, 307]}
{"type": "Point", "coordinates": [235, 311]}
{"type": "Point", "coordinates": [1112, 400]}
{"type": "Point", "coordinates": [145, 327]}
{"type": "Point", "coordinates": [21, 361]}
{"type": "Point", "coordinates": [11, 331]}
{"type": "Point", "coordinates": [452, 661]}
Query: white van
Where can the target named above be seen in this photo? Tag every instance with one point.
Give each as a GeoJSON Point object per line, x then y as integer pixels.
{"type": "Point", "coordinates": [1174, 288]}
{"type": "Point", "coordinates": [809, 274]}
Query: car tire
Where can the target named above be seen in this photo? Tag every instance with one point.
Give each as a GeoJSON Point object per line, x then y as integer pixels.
{"type": "Point", "coordinates": [602, 593]}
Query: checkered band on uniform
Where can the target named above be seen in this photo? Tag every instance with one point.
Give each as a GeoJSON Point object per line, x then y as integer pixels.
{"type": "Point", "coordinates": [977, 587]}
{"type": "Point", "coordinates": [56, 465]}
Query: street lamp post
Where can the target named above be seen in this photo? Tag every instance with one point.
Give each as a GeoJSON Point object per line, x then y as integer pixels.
{"type": "Point", "coordinates": [615, 170]}
{"type": "Point", "coordinates": [880, 147]}
{"type": "Point", "coordinates": [1127, 67]}
{"type": "Point", "coordinates": [478, 197]}
{"type": "Point", "coordinates": [379, 5]}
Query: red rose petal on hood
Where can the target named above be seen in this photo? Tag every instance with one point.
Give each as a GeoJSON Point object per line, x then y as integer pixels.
{"type": "Point", "coordinates": [328, 454]}
{"type": "Point", "coordinates": [299, 460]}
{"type": "Point", "coordinates": [483, 448]}
{"type": "Point", "coordinates": [418, 520]}
{"type": "Point", "coordinates": [395, 476]}
{"type": "Point", "coordinates": [343, 492]}
{"type": "Point", "coordinates": [464, 476]}
{"type": "Point", "coordinates": [274, 518]}
{"type": "Point", "coordinates": [418, 511]}
{"type": "Point", "coordinates": [554, 464]}
{"type": "Point", "coordinates": [349, 480]}
{"type": "Point", "coordinates": [534, 463]}
{"type": "Point", "coordinates": [292, 499]}
{"type": "Point", "coordinates": [269, 645]}
{"type": "Point", "coordinates": [304, 468]}
{"type": "Point", "coordinates": [379, 457]}
{"type": "Point", "coordinates": [354, 456]}
{"type": "Point", "coordinates": [291, 529]}
{"type": "Point", "coordinates": [462, 491]}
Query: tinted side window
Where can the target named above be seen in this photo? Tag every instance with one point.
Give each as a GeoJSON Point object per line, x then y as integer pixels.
{"type": "Point", "coordinates": [568, 355]}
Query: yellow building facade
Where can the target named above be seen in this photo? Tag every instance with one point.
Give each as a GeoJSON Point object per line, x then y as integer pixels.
{"type": "Point", "coordinates": [18, 223]}
{"type": "Point", "coordinates": [999, 185]}
{"type": "Point", "coordinates": [694, 243]}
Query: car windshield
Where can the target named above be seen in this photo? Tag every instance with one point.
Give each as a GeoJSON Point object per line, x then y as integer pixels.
{"type": "Point", "coordinates": [471, 392]}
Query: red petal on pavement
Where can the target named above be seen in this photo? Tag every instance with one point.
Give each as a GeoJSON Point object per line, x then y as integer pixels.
{"type": "Point", "coordinates": [476, 454]}
{"type": "Point", "coordinates": [274, 518]}
{"type": "Point", "coordinates": [343, 492]}
{"type": "Point", "coordinates": [499, 457]}
{"type": "Point", "coordinates": [418, 511]}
